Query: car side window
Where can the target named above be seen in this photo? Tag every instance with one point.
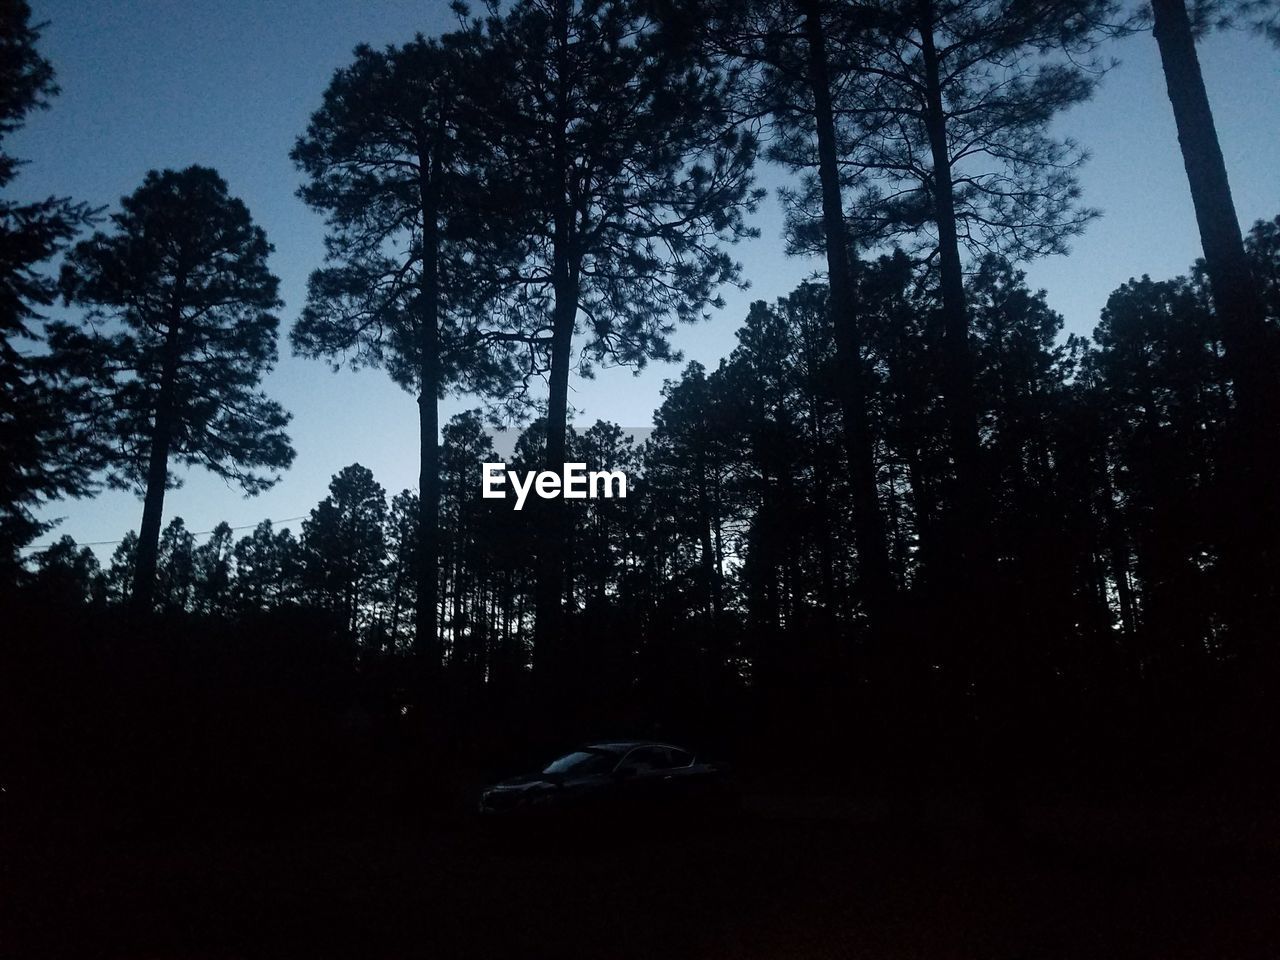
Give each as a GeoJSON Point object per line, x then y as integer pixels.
{"type": "Point", "coordinates": [644, 759]}
{"type": "Point", "coordinates": [678, 758]}
{"type": "Point", "coordinates": [666, 758]}
{"type": "Point", "coordinates": [662, 758]}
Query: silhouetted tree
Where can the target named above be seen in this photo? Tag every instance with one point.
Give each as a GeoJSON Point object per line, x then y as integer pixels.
{"type": "Point", "coordinates": [402, 562]}
{"type": "Point", "coordinates": [213, 572]}
{"type": "Point", "coordinates": [1034, 473]}
{"type": "Point", "coordinates": [343, 547]}
{"type": "Point", "coordinates": [942, 130]}
{"type": "Point", "coordinates": [1264, 16]}
{"type": "Point", "coordinates": [791, 75]}
{"type": "Point", "coordinates": [65, 572]}
{"type": "Point", "coordinates": [118, 577]}
{"type": "Point", "coordinates": [267, 568]}
{"type": "Point", "coordinates": [390, 160]}
{"type": "Point", "coordinates": [41, 456]}
{"type": "Point", "coordinates": [469, 533]}
{"type": "Point", "coordinates": [175, 568]}
{"type": "Point", "coordinates": [1261, 16]}
{"type": "Point", "coordinates": [1254, 364]}
{"type": "Point", "coordinates": [177, 337]}
{"type": "Point", "coordinates": [633, 176]}
{"type": "Point", "coordinates": [600, 534]}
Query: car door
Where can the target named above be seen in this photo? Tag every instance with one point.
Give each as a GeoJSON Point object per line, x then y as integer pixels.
{"type": "Point", "coordinates": [679, 783]}
{"type": "Point", "coordinates": [640, 776]}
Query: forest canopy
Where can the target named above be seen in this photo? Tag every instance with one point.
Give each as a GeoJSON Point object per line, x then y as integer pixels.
{"type": "Point", "coordinates": [906, 496]}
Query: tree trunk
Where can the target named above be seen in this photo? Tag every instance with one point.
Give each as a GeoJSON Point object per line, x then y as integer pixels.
{"type": "Point", "coordinates": [968, 526]}
{"type": "Point", "coordinates": [552, 533]}
{"type": "Point", "coordinates": [144, 576]}
{"type": "Point", "coordinates": [706, 551]}
{"type": "Point", "coordinates": [876, 581]}
{"type": "Point", "coordinates": [982, 643]}
{"type": "Point", "coordinates": [427, 633]}
{"type": "Point", "coordinates": [553, 519]}
{"type": "Point", "coordinates": [1235, 291]}
{"type": "Point", "coordinates": [397, 589]}
{"type": "Point", "coordinates": [426, 627]}
{"type": "Point", "coordinates": [1252, 520]}
{"type": "Point", "coordinates": [1117, 549]}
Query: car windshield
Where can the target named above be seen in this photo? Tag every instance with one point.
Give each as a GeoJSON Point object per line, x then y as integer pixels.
{"type": "Point", "coordinates": [583, 762]}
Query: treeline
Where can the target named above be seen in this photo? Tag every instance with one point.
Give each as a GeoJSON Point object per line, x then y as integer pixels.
{"type": "Point", "coordinates": [903, 494]}
{"type": "Point", "coordinates": [730, 565]}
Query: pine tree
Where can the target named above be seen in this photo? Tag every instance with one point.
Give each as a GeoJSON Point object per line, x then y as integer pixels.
{"type": "Point", "coordinates": [43, 454]}
{"type": "Point", "coordinates": [943, 136]}
{"type": "Point", "coordinates": [633, 176]}
{"type": "Point", "coordinates": [175, 568]}
{"type": "Point", "coordinates": [65, 572]}
{"type": "Point", "coordinates": [344, 548]}
{"type": "Point", "coordinates": [390, 159]}
{"type": "Point", "coordinates": [793, 60]}
{"type": "Point", "coordinates": [266, 569]}
{"type": "Point", "coordinates": [118, 577]}
{"type": "Point", "coordinates": [177, 337]}
{"type": "Point", "coordinates": [1250, 354]}
{"type": "Point", "coordinates": [214, 572]}
{"type": "Point", "coordinates": [402, 562]}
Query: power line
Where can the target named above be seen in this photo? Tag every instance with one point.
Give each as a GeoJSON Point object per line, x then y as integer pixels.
{"type": "Point", "coordinates": [202, 533]}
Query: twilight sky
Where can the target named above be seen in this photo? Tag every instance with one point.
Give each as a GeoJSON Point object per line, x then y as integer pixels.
{"type": "Point", "coordinates": [230, 84]}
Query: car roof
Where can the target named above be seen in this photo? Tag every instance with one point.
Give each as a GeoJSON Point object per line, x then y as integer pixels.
{"type": "Point", "coordinates": [621, 746]}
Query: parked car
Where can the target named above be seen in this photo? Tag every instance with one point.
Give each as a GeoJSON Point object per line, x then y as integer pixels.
{"type": "Point", "coordinates": [631, 777]}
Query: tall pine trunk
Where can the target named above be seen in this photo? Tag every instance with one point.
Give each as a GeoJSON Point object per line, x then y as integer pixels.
{"type": "Point", "coordinates": [552, 522]}
{"type": "Point", "coordinates": [876, 581]}
{"type": "Point", "coordinates": [426, 632]}
{"type": "Point", "coordinates": [984, 649]}
{"type": "Point", "coordinates": [968, 526]}
{"type": "Point", "coordinates": [144, 576]}
{"type": "Point", "coordinates": [1251, 511]}
{"type": "Point", "coordinates": [426, 625]}
{"type": "Point", "coordinates": [706, 551]}
{"type": "Point", "coordinates": [552, 532]}
{"type": "Point", "coordinates": [1235, 291]}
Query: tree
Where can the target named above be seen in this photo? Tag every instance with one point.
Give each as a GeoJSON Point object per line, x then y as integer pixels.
{"type": "Point", "coordinates": [177, 336]}
{"type": "Point", "coordinates": [1038, 476]}
{"type": "Point", "coordinates": [402, 560]}
{"type": "Point", "coordinates": [213, 572]}
{"type": "Point", "coordinates": [686, 464]}
{"type": "Point", "coordinates": [118, 577]}
{"type": "Point", "coordinates": [174, 590]}
{"type": "Point", "coordinates": [1264, 18]}
{"type": "Point", "coordinates": [466, 521]}
{"type": "Point", "coordinates": [942, 133]}
{"type": "Point", "coordinates": [390, 160]}
{"type": "Point", "coordinates": [599, 539]}
{"type": "Point", "coordinates": [1259, 16]}
{"type": "Point", "coordinates": [1160, 363]}
{"type": "Point", "coordinates": [266, 565]}
{"type": "Point", "coordinates": [1169, 411]}
{"type": "Point", "coordinates": [807, 79]}
{"type": "Point", "coordinates": [786, 49]}
{"type": "Point", "coordinates": [1250, 355]}
{"type": "Point", "coordinates": [344, 547]}
{"type": "Point", "coordinates": [41, 454]}
{"type": "Point", "coordinates": [65, 572]}
{"type": "Point", "coordinates": [632, 177]}
{"type": "Point", "coordinates": [873, 555]}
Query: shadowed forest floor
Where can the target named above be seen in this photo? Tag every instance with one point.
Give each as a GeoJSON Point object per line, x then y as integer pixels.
{"type": "Point", "coordinates": [792, 877]}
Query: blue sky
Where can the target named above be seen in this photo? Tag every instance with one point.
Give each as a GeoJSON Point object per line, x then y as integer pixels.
{"type": "Point", "coordinates": [230, 84]}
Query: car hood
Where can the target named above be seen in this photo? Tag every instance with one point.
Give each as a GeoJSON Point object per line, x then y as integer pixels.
{"type": "Point", "coordinates": [528, 781]}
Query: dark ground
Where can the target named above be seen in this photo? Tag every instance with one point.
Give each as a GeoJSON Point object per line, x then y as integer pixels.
{"type": "Point", "coordinates": [794, 877]}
